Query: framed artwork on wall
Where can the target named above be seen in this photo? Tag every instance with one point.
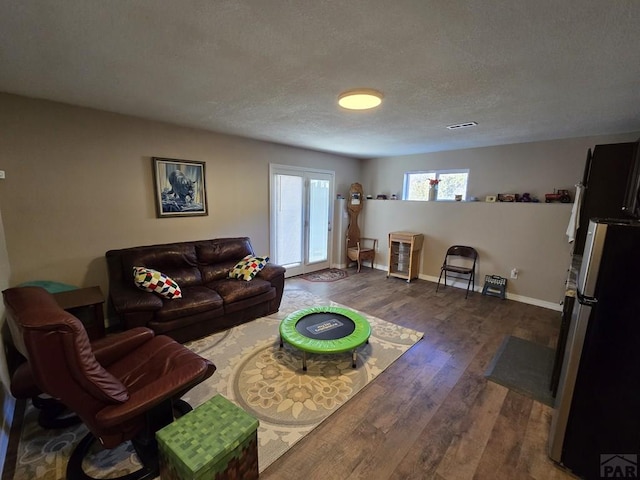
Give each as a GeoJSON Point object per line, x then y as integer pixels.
{"type": "Point", "coordinates": [180, 189]}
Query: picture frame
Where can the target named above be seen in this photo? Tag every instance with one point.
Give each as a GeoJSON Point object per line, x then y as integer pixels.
{"type": "Point", "coordinates": [490, 198]}
{"type": "Point", "coordinates": [180, 189]}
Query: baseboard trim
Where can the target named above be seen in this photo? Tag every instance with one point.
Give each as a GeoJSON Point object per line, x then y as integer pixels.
{"type": "Point", "coordinates": [458, 284]}
{"type": "Point", "coordinates": [510, 296]}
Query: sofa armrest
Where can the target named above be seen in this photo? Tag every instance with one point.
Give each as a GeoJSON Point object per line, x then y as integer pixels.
{"type": "Point", "coordinates": [274, 274]}
{"type": "Point", "coordinates": [113, 347]}
{"type": "Point", "coordinates": [271, 271]}
{"type": "Point", "coordinates": [127, 300]}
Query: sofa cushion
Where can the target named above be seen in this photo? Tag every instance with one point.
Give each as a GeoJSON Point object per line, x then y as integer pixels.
{"type": "Point", "coordinates": [252, 304]}
{"type": "Point", "coordinates": [216, 271]}
{"type": "Point", "coordinates": [154, 281]}
{"type": "Point", "coordinates": [222, 250]}
{"type": "Point", "coordinates": [233, 290]}
{"type": "Point", "coordinates": [178, 261]}
{"type": "Point", "coordinates": [248, 267]}
{"type": "Point", "coordinates": [194, 300]}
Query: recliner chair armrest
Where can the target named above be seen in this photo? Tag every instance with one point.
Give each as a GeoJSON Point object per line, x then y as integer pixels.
{"type": "Point", "coordinates": [169, 386]}
{"type": "Point", "coordinates": [113, 347]}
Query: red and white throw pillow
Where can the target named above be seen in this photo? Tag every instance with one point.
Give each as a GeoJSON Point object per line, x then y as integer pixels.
{"type": "Point", "coordinates": [248, 267]}
{"type": "Point", "coordinates": [154, 281]}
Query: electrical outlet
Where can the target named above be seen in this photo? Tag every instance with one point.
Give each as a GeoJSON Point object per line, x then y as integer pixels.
{"type": "Point", "coordinates": [514, 273]}
{"type": "Point", "coordinates": [2, 177]}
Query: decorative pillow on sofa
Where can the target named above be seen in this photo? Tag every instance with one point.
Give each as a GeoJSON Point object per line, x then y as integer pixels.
{"type": "Point", "coordinates": [153, 281]}
{"type": "Point", "coordinates": [248, 267]}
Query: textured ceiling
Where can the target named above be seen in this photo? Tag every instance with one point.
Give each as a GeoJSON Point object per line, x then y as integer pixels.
{"type": "Point", "coordinates": [524, 70]}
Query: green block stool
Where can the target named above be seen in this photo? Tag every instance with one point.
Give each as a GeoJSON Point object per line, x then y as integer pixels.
{"type": "Point", "coordinates": [216, 440]}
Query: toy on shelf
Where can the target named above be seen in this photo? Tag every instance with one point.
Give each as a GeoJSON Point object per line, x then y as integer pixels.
{"type": "Point", "coordinates": [558, 196]}
{"type": "Point", "coordinates": [527, 198]}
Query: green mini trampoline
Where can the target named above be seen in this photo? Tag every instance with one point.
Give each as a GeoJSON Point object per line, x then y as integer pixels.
{"type": "Point", "coordinates": [325, 329]}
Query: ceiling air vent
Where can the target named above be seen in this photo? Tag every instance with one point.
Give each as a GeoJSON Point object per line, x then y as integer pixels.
{"type": "Point", "coordinates": [462, 125]}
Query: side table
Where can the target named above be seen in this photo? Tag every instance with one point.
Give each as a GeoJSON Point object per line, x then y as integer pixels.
{"type": "Point", "coordinates": [75, 301]}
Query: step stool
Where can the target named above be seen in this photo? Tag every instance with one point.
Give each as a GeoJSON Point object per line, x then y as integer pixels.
{"type": "Point", "coordinates": [495, 286]}
{"type": "Point", "coordinates": [216, 440]}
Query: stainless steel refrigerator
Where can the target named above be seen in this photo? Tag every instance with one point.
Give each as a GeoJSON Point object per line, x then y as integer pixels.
{"type": "Point", "coordinates": [595, 426]}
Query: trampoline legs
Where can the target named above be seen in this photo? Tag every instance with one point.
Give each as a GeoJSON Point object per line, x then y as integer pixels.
{"type": "Point", "coordinates": [354, 355]}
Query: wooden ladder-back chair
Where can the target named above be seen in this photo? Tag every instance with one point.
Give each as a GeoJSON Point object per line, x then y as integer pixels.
{"type": "Point", "coordinates": [362, 250]}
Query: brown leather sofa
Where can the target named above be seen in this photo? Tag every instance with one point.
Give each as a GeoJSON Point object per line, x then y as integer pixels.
{"type": "Point", "coordinates": [210, 300]}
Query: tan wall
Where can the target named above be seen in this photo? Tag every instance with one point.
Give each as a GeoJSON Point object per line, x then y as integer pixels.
{"type": "Point", "coordinates": [529, 237]}
{"type": "Point", "coordinates": [536, 168]}
{"type": "Point", "coordinates": [79, 182]}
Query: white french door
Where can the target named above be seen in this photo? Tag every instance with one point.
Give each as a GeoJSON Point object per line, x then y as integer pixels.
{"type": "Point", "coordinates": [301, 213]}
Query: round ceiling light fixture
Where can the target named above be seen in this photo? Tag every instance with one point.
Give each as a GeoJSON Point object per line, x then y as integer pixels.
{"type": "Point", "coordinates": [360, 99]}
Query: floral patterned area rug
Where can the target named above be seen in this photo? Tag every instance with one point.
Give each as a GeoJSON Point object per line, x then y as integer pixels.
{"type": "Point", "coordinates": [254, 373]}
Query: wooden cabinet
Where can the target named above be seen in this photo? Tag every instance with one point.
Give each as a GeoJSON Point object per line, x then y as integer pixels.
{"type": "Point", "coordinates": [404, 255]}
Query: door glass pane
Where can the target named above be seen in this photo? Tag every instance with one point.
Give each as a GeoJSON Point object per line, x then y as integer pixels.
{"type": "Point", "coordinates": [288, 220]}
{"type": "Point", "coordinates": [318, 220]}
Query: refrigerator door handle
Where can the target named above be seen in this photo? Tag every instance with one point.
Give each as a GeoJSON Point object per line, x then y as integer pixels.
{"type": "Point", "coordinates": [571, 362]}
{"type": "Point", "coordinates": [588, 275]}
{"type": "Point", "coordinates": [585, 300]}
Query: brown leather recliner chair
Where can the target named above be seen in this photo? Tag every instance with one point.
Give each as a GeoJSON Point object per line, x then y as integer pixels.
{"type": "Point", "coordinates": [52, 413]}
{"type": "Point", "coordinates": [127, 394]}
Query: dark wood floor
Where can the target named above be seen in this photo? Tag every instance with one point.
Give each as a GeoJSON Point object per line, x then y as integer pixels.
{"type": "Point", "coordinates": [432, 414]}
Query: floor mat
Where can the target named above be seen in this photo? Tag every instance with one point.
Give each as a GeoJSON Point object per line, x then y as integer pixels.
{"type": "Point", "coordinates": [328, 275]}
{"type": "Point", "coordinates": [525, 367]}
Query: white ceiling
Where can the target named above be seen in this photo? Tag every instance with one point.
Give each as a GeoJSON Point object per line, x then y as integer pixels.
{"type": "Point", "coordinates": [525, 70]}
